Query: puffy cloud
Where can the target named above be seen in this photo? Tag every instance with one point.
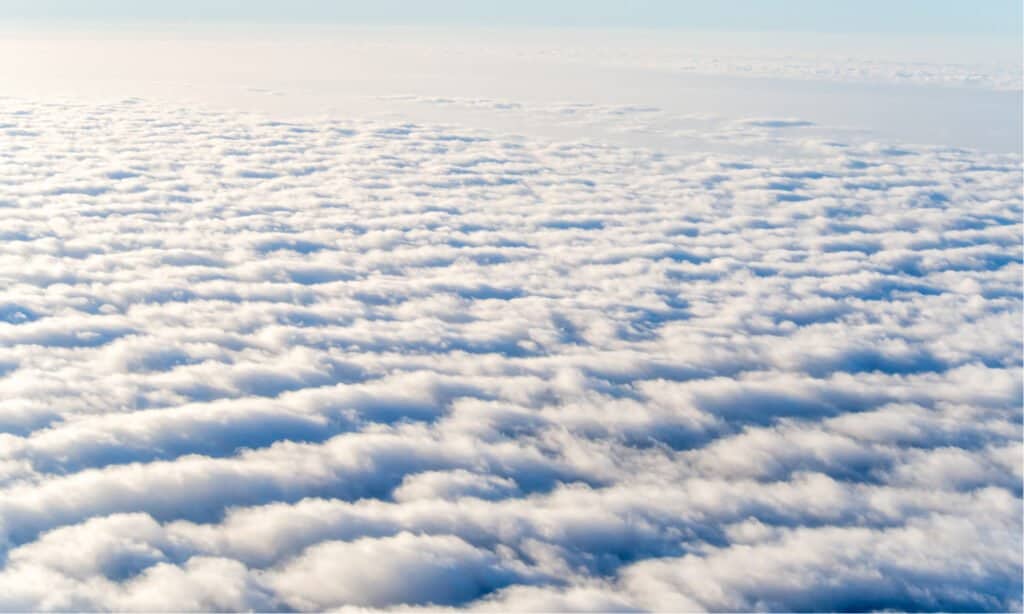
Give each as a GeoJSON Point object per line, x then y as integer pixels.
{"type": "Point", "coordinates": [262, 365]}
{"type": "Point", "coordinates": [402, 569]}
{"type": "Point", "coordinates": [840, 569]}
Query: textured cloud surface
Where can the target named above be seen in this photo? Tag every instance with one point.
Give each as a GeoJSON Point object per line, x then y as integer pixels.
{"type": "Point", "coordinates": [253, 364]}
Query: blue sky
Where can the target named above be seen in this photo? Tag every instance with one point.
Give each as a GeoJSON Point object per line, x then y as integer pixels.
{"type": "Point", "coordinates": [974, 17]}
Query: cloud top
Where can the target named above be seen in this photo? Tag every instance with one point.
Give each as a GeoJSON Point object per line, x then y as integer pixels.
{"type": "Point", "coordinates": [263, 365]}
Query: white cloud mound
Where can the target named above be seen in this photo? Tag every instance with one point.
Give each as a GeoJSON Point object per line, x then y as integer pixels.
{"type": "Point", "coordinates": [258, 365]}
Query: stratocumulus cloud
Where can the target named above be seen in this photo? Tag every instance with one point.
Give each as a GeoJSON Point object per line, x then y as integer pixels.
{"type": "Point", "coordinates": [248, 364]}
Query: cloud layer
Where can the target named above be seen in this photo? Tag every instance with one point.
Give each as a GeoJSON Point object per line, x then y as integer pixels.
{"type": "Point", "coordinates": [254, 364]}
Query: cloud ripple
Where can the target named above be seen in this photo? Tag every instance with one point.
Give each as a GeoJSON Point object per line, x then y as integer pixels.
{"type": "Point", "coordinates": [253, 364]}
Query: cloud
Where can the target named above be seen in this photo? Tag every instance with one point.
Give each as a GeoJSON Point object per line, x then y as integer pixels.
{"type": "Point", "coordinates": [403, 569]}
{"type": "Point", "coordinates": [838, 568]}
{"type": "Point", "coordinates": [262, 365]}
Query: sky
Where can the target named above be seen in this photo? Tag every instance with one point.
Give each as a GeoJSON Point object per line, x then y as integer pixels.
{"type": "Point", "coordinates": [940, 73]}
{"type": "Point", "coordinates": [988, 18]}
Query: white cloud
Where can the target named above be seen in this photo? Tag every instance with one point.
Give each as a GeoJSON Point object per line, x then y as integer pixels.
{"type": "Point", "coordinates": [259, 365]}
{"type": "Point", "coordinates": [403, 569]}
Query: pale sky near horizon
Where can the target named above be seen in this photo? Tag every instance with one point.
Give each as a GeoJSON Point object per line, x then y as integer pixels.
{"type": "Point", "coordinates": [989, 18]}
{"type": "Point", "coordinates": [231, 53]}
